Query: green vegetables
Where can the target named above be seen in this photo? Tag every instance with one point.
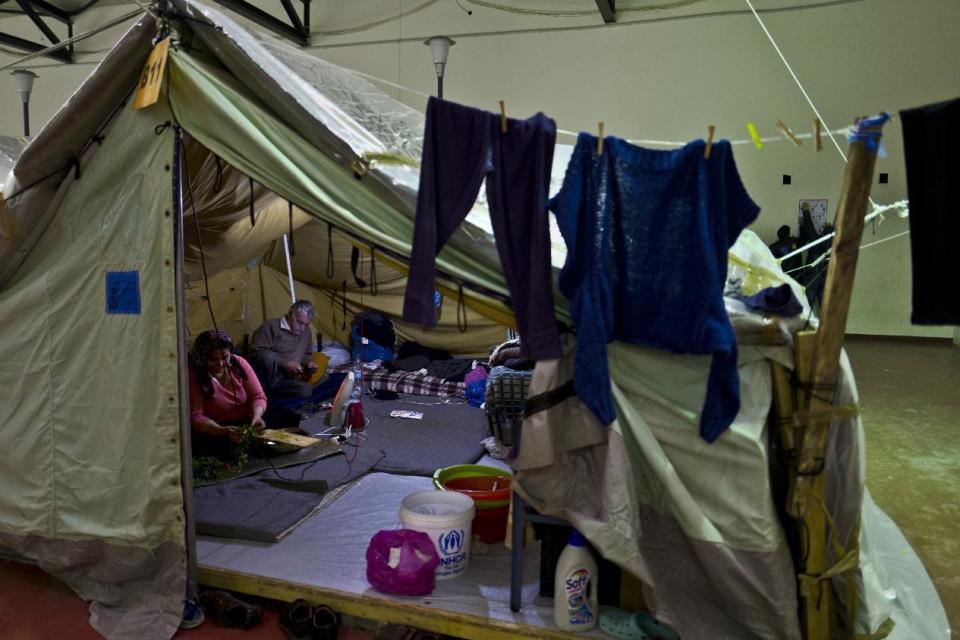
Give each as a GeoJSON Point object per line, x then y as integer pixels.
{"type": "Point", "coordinates": [213, 469]}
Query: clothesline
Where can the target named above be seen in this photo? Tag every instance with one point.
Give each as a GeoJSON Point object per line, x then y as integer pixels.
{"type": "Point", "coordinates": [877, 210]}
{"type": "Point", "coordinates": [902, 205]}
{"type": "Point", "coordinates": [649, 143]}
{"type": "Point", "coordinates": [862, 247]}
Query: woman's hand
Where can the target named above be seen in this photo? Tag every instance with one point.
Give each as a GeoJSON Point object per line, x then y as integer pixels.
{"type": "Point", "coordinates": [258, 423]}
{"type": "Point", "coordinates": [233, 433]}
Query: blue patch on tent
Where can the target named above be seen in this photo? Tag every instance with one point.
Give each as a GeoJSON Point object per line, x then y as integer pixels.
{"type": "Point", "coordinates": [123, 292]}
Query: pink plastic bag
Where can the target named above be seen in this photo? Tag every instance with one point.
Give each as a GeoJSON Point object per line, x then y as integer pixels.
{"type": "Point", "coordinates": [477, 374]}
{"type": "Point", "coordinates": [414, 560]}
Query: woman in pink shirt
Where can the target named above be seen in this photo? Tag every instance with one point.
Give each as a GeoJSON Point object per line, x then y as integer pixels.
{"type": "Point", "coordinates": [224, 390]}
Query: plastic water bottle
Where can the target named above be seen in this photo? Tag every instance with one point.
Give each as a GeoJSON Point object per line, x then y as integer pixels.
{"type": "Point", "coordinates": [575, 587]}
{"type": "Point", "coordinates": [357, 378]}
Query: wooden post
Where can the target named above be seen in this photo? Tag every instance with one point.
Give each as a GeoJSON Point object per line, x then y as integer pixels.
{"type": "Point", "coordinates": [784, 406]}
{"type": "Point", "coordinates": [815, 597]}
{"type": "Point", "coordinates": [836, 306]}
{"type": "Point", "coordinates": [817, 359]}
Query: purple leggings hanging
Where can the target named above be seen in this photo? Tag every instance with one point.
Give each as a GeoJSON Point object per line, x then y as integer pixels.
{"type": "Point", "coordinates": [461, 147]}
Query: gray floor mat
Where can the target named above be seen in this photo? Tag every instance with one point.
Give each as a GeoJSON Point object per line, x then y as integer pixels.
{"type": "Point", "coordinates": [266, 505]}
{"type": "Point", "coordinates": [448, 434]}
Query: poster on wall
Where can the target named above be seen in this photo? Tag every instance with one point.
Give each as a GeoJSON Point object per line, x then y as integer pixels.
{"type": "Point", "coordinates": [818, 213]}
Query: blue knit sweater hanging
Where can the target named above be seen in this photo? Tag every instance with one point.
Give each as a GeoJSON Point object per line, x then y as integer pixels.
{"type": "Point", "coordinates": [647, 235]}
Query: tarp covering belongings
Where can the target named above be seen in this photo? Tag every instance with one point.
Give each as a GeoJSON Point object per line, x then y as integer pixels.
{"type": "Point", "coordinates": [89, 360]}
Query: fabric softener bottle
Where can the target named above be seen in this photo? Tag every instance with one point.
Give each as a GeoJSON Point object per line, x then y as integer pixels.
{"type": "Point", "coordinates": [575, 586]}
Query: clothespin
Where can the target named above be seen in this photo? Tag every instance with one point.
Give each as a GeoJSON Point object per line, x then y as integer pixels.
{"type": "Point", "coordinates": [600, 140]}
{"type": "Point", "coordinates": [816, 133]}
{"type": "Point", "coordinates": [785, 130]}
{"type": "Point", "coordinates": [710, 131]}
{"type": "Point", "coordinates": [755, 135]}
{"type": "Point", "coordinates": [503, 118]}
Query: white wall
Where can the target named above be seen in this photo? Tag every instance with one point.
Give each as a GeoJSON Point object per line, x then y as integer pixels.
{"type": "Point", "coordinates": [56, 81]}
{"type": "Point", "coordinates": [667, 80]}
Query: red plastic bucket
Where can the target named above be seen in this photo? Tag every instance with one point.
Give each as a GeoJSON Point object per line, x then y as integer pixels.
{"type": "Point", "coordinates": [488, 493]}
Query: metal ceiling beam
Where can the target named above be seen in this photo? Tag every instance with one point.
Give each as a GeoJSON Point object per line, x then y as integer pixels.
{"type": "Point", "coordinates": [32, 47]}
{"type": "Point", "coordinates": [62, 16]}
{"type": "Point", "coordinates": [51, 10]}
{"type": "Point", "coordinates": [608, 9]}
{"type": "Point", "coordinates": [37, 20]}
{"type": "Point", "coordinates": [292, 14]}
{"type": "Point", "coordinates": [267, 21]}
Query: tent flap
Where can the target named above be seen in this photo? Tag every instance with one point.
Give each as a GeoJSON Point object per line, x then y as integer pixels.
{"type": "Point", "coordinates": [89, 401]}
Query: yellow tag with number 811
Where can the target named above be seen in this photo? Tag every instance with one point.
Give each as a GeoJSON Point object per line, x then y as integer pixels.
{"type": "Point", "coordinates": [148, 87]}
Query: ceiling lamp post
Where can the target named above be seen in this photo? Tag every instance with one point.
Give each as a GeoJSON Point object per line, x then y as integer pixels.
{"type": "Point", "coordinates": [440, 48]}
{"type": "Point", "coordinates": [25, 86]}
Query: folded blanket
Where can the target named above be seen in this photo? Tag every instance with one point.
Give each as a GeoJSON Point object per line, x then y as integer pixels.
{"type": "Point", "coordinates": [269, 504]}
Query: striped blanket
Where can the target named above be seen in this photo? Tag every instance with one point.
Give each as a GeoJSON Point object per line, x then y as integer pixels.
{"type": "Point", "coordinates": [412, 382]}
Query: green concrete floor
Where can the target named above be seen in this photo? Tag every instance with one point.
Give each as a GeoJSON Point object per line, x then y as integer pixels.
{"type": "Point", "coordinates": [910, 402]}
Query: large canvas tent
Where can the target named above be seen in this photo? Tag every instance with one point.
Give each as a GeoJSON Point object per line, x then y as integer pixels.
{"type": "Point", "coordinates": [98, 292]}
{"type": "Point", "coordinates": [91, 228]}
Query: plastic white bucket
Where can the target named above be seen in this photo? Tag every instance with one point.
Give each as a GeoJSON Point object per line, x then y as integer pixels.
{"type": "Point", "coordinates": [445, 516]}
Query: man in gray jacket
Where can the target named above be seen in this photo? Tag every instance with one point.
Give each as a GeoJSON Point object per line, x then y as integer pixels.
{"type": "Point", "coordinates": [280, 353]}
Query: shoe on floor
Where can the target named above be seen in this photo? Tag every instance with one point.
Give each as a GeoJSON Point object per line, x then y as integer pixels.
{"type": "Point", "coordinates": [296, 620]}
{"type": "Point", "coordinates": [403, 632]}
{"type": "Point", "coordinates": [326, 623]}
{"type": "Point", "coordinates": [192, 616]}
{"type": "Point", "coordinates": [633, 626]}
{"type": "Point", "coordinates": [654, 629]}
{"type": "Point", "coordinates": [229, 611]}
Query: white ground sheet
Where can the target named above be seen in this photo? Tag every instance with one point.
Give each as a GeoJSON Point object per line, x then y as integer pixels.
{"type": "Point", "coordinates": [328, 551]}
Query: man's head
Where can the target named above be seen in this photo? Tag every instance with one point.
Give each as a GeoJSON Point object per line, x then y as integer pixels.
{"type": "Point", "coordinates": [299, 316]}
{"type": "Point", "coordinates": [783, 232]}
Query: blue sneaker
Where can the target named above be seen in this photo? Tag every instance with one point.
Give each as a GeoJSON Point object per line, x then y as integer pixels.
{"type": "Point", "coordinates": [192, 615]}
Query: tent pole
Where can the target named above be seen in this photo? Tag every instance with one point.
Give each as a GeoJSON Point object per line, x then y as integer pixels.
{"type": "Point", "coordinates": [286, 253]}
{"type": "Point", "coordinates": [186, 451]}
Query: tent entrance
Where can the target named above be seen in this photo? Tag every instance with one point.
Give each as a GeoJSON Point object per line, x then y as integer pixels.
{"type": "Point", "coordinates": [233, 229]}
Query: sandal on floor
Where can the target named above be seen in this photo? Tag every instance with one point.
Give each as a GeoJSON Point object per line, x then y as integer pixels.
{"type": "Point", "coordinates": [403, 632]}
{"type": "Point", "coordinates": [296, 620]}
{"type": "Point", "coordinates": [633, 626]}
{"type": "Point", "coordinates": [326, 623]}
{"type": "Point", "coordinates": [654, 629]}
{"type": "Point", "coordinates": [228, 611]}
{"type": "Point", "coordinates": [192, 616]}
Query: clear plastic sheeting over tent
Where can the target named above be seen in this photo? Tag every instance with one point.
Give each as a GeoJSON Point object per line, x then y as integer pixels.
{"type": "Point", "coordinates": [10, 150]}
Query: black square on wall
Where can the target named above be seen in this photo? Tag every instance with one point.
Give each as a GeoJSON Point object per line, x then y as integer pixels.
{"type": "Point", "coordinates": [884, 178]}
{"type": "Point", "coordinates": [787, 179]}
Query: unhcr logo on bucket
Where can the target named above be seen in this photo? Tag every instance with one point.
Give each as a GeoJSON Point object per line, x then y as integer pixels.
{"type": "Point", "coordinates": [451, 544]}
